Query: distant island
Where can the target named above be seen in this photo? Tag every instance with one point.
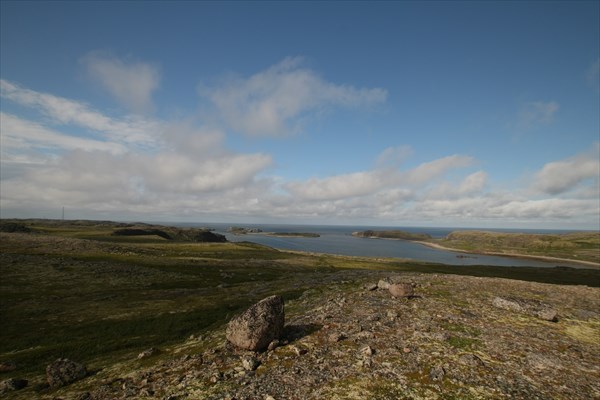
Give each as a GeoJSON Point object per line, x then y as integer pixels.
{"type": "Point", "coordinates": [238, 230]}
{"type": "Point", "coordinates": [393, 234]}
{"type": "Point", "coordinates": [294, 234]}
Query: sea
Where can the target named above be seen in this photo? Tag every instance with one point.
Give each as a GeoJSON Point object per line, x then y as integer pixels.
{"type": "Point", "coordinates": [339, 240]}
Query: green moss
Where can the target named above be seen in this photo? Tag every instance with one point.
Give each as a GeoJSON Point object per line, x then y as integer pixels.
{"type": "Point", "coordinates": [464, 343]}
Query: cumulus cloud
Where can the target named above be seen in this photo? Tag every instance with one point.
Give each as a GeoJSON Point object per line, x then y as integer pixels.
{"type": "Point", "coordinates": [374, 181]}
{"type": "Point", "coordinates": [131, 83]}
{"type": "Point", "coordinates": [564, 175]}
{"type": "Point", "coordinates": [104, 168]}
{"type": "Point", "coordinates": [536, 113]}
{"type": "Point", "coordinates": [271, 102]}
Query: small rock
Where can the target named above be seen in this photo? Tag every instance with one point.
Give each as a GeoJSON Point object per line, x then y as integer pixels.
{"type": "Point", "coordinates": [506, 304]}
{"type": "Point", "coordinates": [299, 350]}
{"type": "Point", "coordinates": [392, 314]}
{"type": "Point", "coordinates": [401, 290]}
{"type": "Point", "coordinates": [336, 337]}
{"type": "Point", "coordinates": [471, 360]}
{"type": "Point", "coordinates": [547, 314]}
{"type": "Point", "coordinates": [437, 373]}
{"type": "Point", "coordinates": [250, 363]}
{"type": "Point", "coordinates": [273, 345]}
{"type": "Point", "coordinates": [152, 351]}
{"type": "Point", "coordinates": [258, 326]}
{"type": "Point", "coordinates": [8, 366]}
{"type": "Point", "coordinates": [384, 283]}
{"type": "Point", "coordinates": [64, 371]}
{"type": "Point", "coordinates": [12, 384]}
{"type": "Point", "coordinates": [367, 351]}
{"type": "Point", "coordinates": [372, 286]}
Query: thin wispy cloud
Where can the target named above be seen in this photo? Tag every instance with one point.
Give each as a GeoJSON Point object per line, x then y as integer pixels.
{"type": "Point", "coordinates": [131, 83]}
{"type": "Point", "coordinates": [132, 130]}
{"type": "Point", "coordinates": [537, 113]}
{"type": "Point", "coordinates": [273, 102]}
{"type": "Point", "coordinates": [592, 75]}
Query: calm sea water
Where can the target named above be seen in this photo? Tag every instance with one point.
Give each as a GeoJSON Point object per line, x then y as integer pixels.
{"type": "Point", "coordinates": [339, 240]}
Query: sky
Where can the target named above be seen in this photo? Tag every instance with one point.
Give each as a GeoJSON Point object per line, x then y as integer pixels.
{"type": "Point", "coordinates": [462, 114]}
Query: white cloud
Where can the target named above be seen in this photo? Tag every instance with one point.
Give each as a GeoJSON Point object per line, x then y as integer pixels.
{"type": "Point", "coordinates": [18, 134]}
{"type": "Point", "coordinates": [371, 182]}
{"type": "Point", "coordinates": [433, 169]}
{"type": "Point", "coordinates": [131, 83]}
{"type": "Point", "coordinates": [536, 113]}
{"type": "Point", "coordinates": [564, 175]}
{"type": "Point", "coordinates": [338, 187]}
{"type": "Point", "coordinates": [130, 130]}
{"type": "Point", "coordinates": [393, 156]}
{"type": "Point", "coordinates": [270, 103]}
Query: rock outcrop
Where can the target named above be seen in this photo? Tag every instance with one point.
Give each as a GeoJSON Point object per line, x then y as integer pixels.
{"type": "Point", "coordinates": [64, 371]}
{"type": "Point", "coordinates": [258, 326]}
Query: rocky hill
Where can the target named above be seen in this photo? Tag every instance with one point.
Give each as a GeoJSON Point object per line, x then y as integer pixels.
{"type": "Point", "coordinates": [455, 337]}
{"type": "Point", "coordinates": [76, 311]}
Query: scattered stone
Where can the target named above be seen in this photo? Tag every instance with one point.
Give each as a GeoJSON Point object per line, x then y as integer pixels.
{"type": "Point", "coordinates": [336, 337]}
{"type": "Point", "coordinates": [258, 326]}
{"type": "Point", "coordinates": [8, 366]}
{"type": "Point", "coordinates": [64, 371]}
{"type": "Point", "coordinates": [506, 304]}
{"type": "Point", "coordinates": [401, 290]}
{"type": "Point", "coordinates": [299, 350]}
{"type": "Point", "coordinates": [367, 351]}
{"type": "Point", "coordinates": [250, 363]}
{"type": "Point", "coordinates": [531, 307]}
{"type": "Point", "coordinates": [384, 283]}
{"type": "Point", "coordinates": [372, 286]}
{"type": "Point", "coordinates": [12, 384]}
{"type": "Point", "coordinates": [392, 314]}
{"type": "Point", "coordinates": [273, 345]}
{"type": "Point", "coordinates": [437, 373]}
{"type": "Point", "coordinates": [152, 351]}
{"type": "Point", "coordinates": [471, 360]}
{"type": "Point", "coordinates": [547, 314]}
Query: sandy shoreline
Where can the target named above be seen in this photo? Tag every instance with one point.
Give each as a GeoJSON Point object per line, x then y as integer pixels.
{"type": "Point", "coordinates": [513, 255]}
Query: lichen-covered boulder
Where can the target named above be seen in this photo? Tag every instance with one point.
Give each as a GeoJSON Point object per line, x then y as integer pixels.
{"type": "Point", "coordinates": [258, 326]}
{"type": "Point", "coordinates": [401, 290]}
{"type": "Point", "coordinates": [64, 371]}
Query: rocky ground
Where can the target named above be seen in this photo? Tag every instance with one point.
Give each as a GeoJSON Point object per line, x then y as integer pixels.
{"type": "Point", "coordinates": [457, 337]}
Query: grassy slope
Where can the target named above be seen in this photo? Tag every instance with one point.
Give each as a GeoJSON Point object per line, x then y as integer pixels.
{"type": "Point", "coordinates": [583, 246]}
{"type": "Point", "coordinates": [76, 291]}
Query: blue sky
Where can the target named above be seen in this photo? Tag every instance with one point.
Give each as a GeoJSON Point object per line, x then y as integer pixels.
{"type": "Point", "coordinates": [482, 114]}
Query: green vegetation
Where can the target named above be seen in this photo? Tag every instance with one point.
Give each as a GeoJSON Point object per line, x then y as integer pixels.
{"type": "Point", "coordinates": [581, 246]}
{"type": "Point", "coordinates": [402, 235]}
{"type": "Point", "coordinates": [73, 289]}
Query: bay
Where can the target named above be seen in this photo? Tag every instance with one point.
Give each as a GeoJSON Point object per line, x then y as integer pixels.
{"type": "Point", "coordinates": [339, 240]}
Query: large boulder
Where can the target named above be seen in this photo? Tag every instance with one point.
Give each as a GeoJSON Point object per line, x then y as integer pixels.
{"type": "Point", "coordinates": [64, 371]}
{"type": "Point", "coordinates": [401, 290]}
{"type": "Point", "coordinates": [258, 326]}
